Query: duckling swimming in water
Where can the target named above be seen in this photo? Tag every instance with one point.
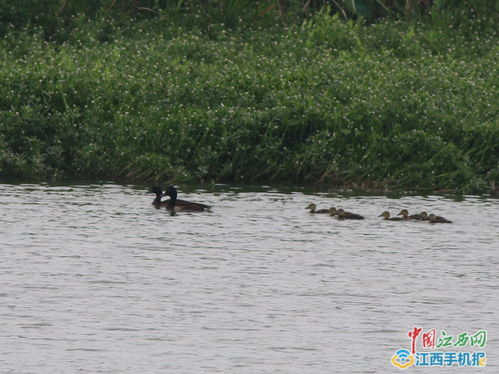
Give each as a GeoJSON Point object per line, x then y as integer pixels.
{"type": "Point", "coordinates": [332, 211]}
{"type": "Point", "coordinates": [437, 219]}
{"type": "Point", "coordinates": [312, 208]}
{"type": "Point", "coordinates": [387, 217]}
{"type": "Point", "coordinates": [341, 214]}
{"type": "Point", "coordinates": [405, 215]}
{"type": "Point", "coordinates": [424, 215]}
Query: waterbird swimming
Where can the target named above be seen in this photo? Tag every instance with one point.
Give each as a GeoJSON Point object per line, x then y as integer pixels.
{"type": "Point", "coordinates": [312, 207]}
{"type": "Point", "coordinates": [332, 211]}
{"type": "Point", "coordinates": [405, 215]}
{"type": "Point", "coordinates": [386, 216]}
{"type": "Point", "coordinates": [178, 205]}
{"type": "Point", "coordinates": [424, 215]}
{"type": "Point", "coordinates": [157, 200]}
{"type": "Point", "coordinates": [174, 204]}
{"type": "Point", "coordinates": [341, 214]}
{"type": "Point", "coordinates": [437, 219]}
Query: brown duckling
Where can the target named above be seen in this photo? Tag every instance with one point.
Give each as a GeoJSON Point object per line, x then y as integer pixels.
{"type": "Point", "coordinates": [341, 214]}
{"type": "Point", "coordinates": [405, 215]}
{"type": "Point", "coordinates": [332, 212]}
{"type": "Point", "coordinates": [386, 216]}
{"type": "Point", "coordinates": [424, 215]}
{"type": "Point", "coordinates": [312, 207]}
{"type": "Point", "coordinates": [437, 219]}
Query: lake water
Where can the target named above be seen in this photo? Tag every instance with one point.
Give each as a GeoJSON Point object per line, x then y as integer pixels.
{"type": "Point", "coordinates": [94, 279]}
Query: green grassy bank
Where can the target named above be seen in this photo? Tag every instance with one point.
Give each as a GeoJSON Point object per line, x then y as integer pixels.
{"type": "Point", "coordinates": [408, 104]}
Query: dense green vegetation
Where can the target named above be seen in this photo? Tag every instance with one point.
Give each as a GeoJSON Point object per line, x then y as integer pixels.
{"type": "Point", "coordinates": [182, 93]}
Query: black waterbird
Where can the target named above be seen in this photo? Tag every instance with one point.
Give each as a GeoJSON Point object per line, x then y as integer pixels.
{"type": "Point", "coordinates": [177, 205]}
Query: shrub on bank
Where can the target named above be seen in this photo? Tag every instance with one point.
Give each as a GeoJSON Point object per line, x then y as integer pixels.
{"type": "Point", "coordinates": [405, 104]}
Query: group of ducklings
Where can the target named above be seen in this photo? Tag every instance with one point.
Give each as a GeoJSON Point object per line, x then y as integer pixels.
{"type": "Point", "coordinates": [423, 216]}
{"type": "Point", "coordinates": [339, 213]}
{"type": "Point", "coordinates": [404, 213]}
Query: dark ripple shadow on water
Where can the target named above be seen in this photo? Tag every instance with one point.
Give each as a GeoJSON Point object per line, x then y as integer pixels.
{"type": "Point", "coordinates": [94, 279]}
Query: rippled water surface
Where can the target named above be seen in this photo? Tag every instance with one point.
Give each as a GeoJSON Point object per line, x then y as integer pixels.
{"type": "Point", "coordinates": [93, 279]}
